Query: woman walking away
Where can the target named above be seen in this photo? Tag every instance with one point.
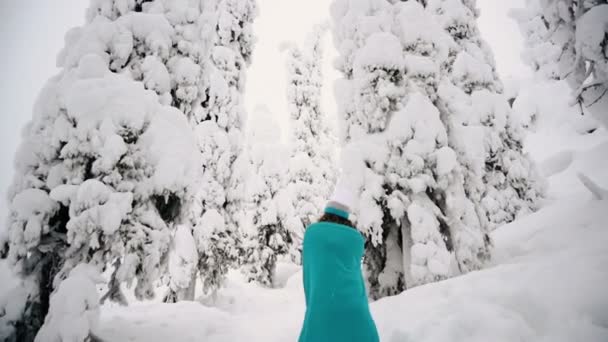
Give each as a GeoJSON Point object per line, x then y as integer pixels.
{"type": "Point", "coordinates": [337, 308]}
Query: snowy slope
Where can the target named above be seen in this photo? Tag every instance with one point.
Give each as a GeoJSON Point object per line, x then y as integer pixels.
{"type": "Point", "coordinates": [548, 285]}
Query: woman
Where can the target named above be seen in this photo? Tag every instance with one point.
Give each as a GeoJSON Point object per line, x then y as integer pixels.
{"type": "Point", "coordinates": [336, 301]}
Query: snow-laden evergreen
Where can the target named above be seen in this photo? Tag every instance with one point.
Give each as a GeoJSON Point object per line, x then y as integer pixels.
{"type": "Point", "coordinates": [504, 183]}
{"type": "Point", "coordinates": [311, 174]}
{"type": "Point", "coordinates": [398, 210]}
{"type": "Point", "coordinates": [264, 233]}
{"type": "Point", "coordinates": [102, 176]}
{"type": "Point", "coordinates": [220, 135]}
{"type": "Point", "coordinates": [568, 39]}
{"type": "Point", "coordinates": [193, 55]}
{"type": "Point", "coordinates": [442, 161]}
{"type": "Point", "coordinates": [107, 169]}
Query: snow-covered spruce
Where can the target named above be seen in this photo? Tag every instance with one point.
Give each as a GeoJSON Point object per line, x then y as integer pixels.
{"type": "Point", "coordinates": [398, 209]}
{"type": "Point", "coordinates": [193, 55]}
{"type": "Point", "coordinates": [220, 134]}
{"type": "Point", "coordinates": [501, 180]}
{"type": "Point", "coordinates": [568, 39]}
{"type": "Point", "coordinates": [265, 236]}
{"type": "Point", "coordinates": [101, 176]}
{"type": "Point", "coordinates": [408, 77]}
{"type": "Point", "coordinates": [161, 44]}
{"type": "Point", "coordinates": [311, 172]}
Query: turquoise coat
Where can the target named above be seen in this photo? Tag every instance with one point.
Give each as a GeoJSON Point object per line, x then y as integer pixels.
{"type": "Point", "coordinates": [337, 309]}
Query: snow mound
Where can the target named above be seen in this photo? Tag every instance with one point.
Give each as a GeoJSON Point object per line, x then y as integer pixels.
{"type": "Point", "coordinates": [592, 163]}
{"type": "Point", "coordinates": [545, 288]}
{"type": "Point", "coordinates": [74, 307]}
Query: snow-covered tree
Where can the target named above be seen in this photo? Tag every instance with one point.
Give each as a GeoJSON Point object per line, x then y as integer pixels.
{"type": "Point", "coordinates": [503, 184]}
{"type": "Point", "coordinates": [421, 223]}
{"type": "Point", "coordinates": [265, 235]}
{"type": "Point", "coordinates": [165, 45]}
{"type": "Point", "coordinates": [311, 172]}
{"type": "Point", "coordinates": [220, 136]}
{"type": "Point", "coordinates": [102, 176]}
{"type": "Point", "coordinates": [193, 54]}
{"type": "Point", "coordinates": [568, 39]}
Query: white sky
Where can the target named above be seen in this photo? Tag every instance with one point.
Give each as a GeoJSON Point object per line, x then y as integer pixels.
{"type": "Point", "coordinates": [31, 35]}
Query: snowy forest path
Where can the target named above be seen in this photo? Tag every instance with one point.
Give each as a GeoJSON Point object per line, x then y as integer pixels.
{"type": "Point", "coordinates": [241, 311]}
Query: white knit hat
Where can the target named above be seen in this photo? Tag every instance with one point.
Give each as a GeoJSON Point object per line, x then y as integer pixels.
{"type": "Point", "coordinates": [344, 194]}
{"type": "Point", "coordinates": [350, 179]}
{"type": "Point", "coordinates": [343, 199]}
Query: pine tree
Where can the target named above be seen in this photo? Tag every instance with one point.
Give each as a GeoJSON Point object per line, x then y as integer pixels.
{"type": "Point", "coordinates": [421, 223]}
{"type": "Point", "coordinates": [311, 172]}
{"type": "Point", "coordinates": [123, 173]}
{"type": "Point", "coordinates": [507, 186]}
{"type": "Point", "coordinates": [221, 138]}
{"type": "Point", "coordinates": [265, 237]}
{"type": "Point", "coordinates": [197, 65]}
{"type": "Point", "coordinates": [566, 40]}
{"type": "Point", "coordinates": [97, 181]}
{"type": "Point", "coordinates": [166, 47]}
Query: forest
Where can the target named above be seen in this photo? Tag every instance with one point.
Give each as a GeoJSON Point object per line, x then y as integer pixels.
{"type": "Point", "coordinates": [149, 204]}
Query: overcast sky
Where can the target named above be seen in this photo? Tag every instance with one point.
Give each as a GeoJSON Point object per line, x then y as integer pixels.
{"type": "Point", "coordinates": [31, 35]}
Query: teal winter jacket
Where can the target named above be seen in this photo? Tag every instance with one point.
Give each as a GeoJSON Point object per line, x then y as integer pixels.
{"type": "Point", "coordinates": [337, 309]}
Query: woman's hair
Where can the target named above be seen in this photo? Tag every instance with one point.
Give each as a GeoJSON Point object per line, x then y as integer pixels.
{"type": "Point", "coordinates": [328, 217]}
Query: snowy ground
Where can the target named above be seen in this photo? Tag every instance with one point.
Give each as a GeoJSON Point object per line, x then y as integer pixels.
{"type": "Point", "coordinates": [547, 283]}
